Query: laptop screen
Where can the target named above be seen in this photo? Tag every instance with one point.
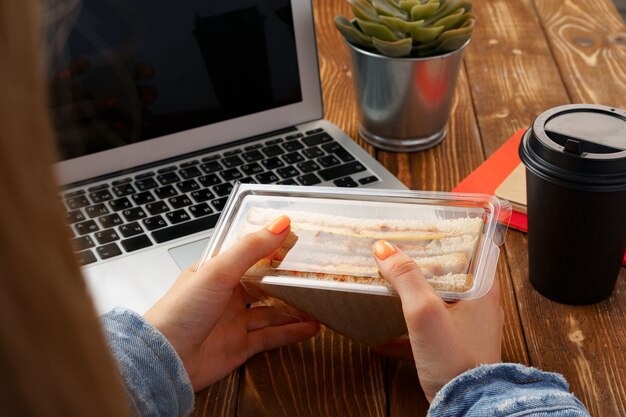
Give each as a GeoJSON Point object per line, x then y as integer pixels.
{"type": "Point", "coordinates": [124, 71]}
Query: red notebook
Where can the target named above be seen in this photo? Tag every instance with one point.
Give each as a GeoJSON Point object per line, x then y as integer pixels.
{"type": "Point", "coordinates": [491, 173]}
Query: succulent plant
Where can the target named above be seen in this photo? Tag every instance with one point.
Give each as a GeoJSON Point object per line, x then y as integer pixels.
{"type": "Point", "coordinates": [408, 28]}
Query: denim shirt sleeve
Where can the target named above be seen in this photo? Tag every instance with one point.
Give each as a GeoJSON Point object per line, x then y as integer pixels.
{"type": "Point", "coordinates": [155, 378]}
{"type": "Point", "coordinates": [507, 390]}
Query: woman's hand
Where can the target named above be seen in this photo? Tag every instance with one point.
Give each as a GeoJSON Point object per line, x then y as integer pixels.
{"type": "Point", "coordinates": [446, 339]}
{"type": "Point", "coordinates": [204, 314]}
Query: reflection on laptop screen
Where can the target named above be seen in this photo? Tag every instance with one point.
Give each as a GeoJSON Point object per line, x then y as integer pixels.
{"type": "Point", "coordinates": [127, 71]}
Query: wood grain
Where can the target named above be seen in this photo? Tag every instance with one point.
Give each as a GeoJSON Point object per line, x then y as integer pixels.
{"type": "Point", "coordinates": [327, 376]}
{"type": "Point", "coordinates": [218, 400]}
{"type": "Point", "coordinates": [588, 40]}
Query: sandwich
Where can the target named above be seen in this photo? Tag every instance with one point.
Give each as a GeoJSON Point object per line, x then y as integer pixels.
{"type": "Point", "coordinates": [338, 248]}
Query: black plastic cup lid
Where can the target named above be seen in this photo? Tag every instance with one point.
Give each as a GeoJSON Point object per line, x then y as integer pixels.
{"type": "Point", "coordinates": [578, 144]}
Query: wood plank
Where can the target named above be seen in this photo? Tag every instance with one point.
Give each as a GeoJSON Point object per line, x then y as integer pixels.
{"type": "Point", "coordinates": [328, 375]}
{"type": "Point", "coordinates": [588, 40]}
{"type": "Point", "coordinates": [218, 400]}
{"type": "Point", "coordinates": [512, 74]}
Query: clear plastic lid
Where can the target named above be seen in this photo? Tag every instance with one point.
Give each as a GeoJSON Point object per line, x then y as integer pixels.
{"type": "Point", "coordinates": [454, 238]}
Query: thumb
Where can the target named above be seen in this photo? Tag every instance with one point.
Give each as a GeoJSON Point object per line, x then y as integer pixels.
{"type": "Point", "coordinates": [225, 270]}
{"type": "Point", "coordinates": [404, 275]}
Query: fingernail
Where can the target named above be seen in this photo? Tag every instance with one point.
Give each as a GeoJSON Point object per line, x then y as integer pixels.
{"type": "Point", "coordinates": [383, 249]}
{"type": "Point", "coordinates": [279, 225]}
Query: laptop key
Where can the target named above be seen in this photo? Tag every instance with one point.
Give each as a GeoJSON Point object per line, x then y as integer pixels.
{"type": "Point", "coordinates": [131, 229]}
{"type": "Point", "coordinates": [293, 145]}
{"type": "Point", "coordinates": [223, 189]}
{"type": "Point", "coordinates": [146, 184]}
{"type": "Point", "coordinates": [100, 196]}
{"type": "Point", "coordinates": [293, 158]}
{"type": "Point", "coordinates": [74, 216]}
{"type": "Point", "coordinates": [272, 163]}
{"type": "Point", "coordinates": [266, 177]}
{"type": "Point", "coordinates": [328, 161]}
{"type": "Point", "coordinates": [134, 213]}
{"type": "Point", "coordinates": [232, 152]}
{"type": "Point", "coordinates": [136, 243]}
{"type": "Point", "coordinates": [157, 208]}
{"type": "Point", "coordinates": [274, 141]}
{"type": "Point", "coordinates": [287, 172]}
{"type": "Point", "coordinates": [273, 150]}
{"type": "Point", "coordinates": [106, 236]}
{"type": "Point", "coordinates": [211, 166]}
{"type": "Point", "coordinates": [339, 151]}
{"type": "Point", "coordinates": [293, 136]}
{"type": "Point", "coordinates": [231, 174]}
{"type": "Point", "coordinates": [155, 222]}
{"type": "Point", "coordinates": [253, 155]}
{"type": "Point", "coordinates": [211, 157]}
{"type": "Point", "coordinates": [189, 163]}
{"type": "Point", "coordinates": [123, 190]}
{"type": "Point", "coordinates": [200, 210]}
{"type": "Point", "coordinates": [97, 210]}
{"type": "Point", "coordinates": [121, 181]}
{"type": "Point", "coordinates": [120, 204]}
{"type": "Point", "coordinates": [86, 227]}
{"type": "Point", "coordinates": [368, 180]}
{"type": "Point", "coordinates": [209, 179]}
{"type": "Point", "coordinates": [190, 172]}
{"type": "Point", "coordinates": [308, 166]}
{"type": "Point", "coordinates": [74, 193]}
{"type": "Point", "coordinates": [251, 169]}
{"type": "Point", "coordinates": [179, 201]}
{"type": "Point", "coordinates": [168, 178]}
{"type": "Point", "coordinates": [177, 216]}
{"type": "Point", "coordinates": [108, 251]}
{"type": "Point", "coordinates": [287, 182]}
{"type": "Point", "coordinates": [202, 195]}
{"type": "Point", "coordinates": [86, 257]}
{"type": "Point", "coordinates": [77, 202]}
{"type": "Point", "coordinates": [110, 220]}
{"type": "Point", "coordinates": [165, 192]}
{"type": "Point", "coordinates": [252, 147]}
{"type": "Point", "coordinates": [232, 161]}
{"type": "Point", "coordinates": [143, 198]}
{"type": "Point", "coordinates": [346, 182]}
{"type": "Point", "coordinates": [82, 243]}
{"type": "Point", "coordinates": [167, 169]}
{"type": "Point", "coordinates": [308, 179]}
{"type": "Point", "coordinates": [145, 175]}
{"type": "Point", "coordinates": [317, 130]}
{"type": "Point", "coordinates": [183, 229]}
{"type": "Point", "coordinates": [341, 170]}
{"type": "Point", "coordinates": [313, 152]}
{"type": "Point", "coordinates": [317, 139]}
{"type": "Point", "coordinates": [219, 203]}
{"type": "Point", "coordinates": [188, 186]}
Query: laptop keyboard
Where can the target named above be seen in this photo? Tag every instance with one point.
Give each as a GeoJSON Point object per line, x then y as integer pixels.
{"type": "Point", "coordinates": [156, 206]}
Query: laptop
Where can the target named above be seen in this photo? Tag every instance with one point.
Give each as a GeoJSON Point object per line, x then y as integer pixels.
{"type": "Point", "coordinates": [160, 107]}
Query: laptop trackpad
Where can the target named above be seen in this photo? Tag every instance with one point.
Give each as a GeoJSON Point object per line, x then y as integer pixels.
{"type": "Point", "coordinates": [188, 254]}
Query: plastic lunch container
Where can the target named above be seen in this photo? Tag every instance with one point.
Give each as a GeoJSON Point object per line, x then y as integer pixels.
{"type": "Point", "coordinates": [326, 268]}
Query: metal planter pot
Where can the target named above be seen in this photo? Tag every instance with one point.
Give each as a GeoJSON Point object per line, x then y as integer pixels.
{"type": "Point", "coordinates": [404, 103]}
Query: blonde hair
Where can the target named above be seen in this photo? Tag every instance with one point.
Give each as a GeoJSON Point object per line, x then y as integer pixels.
{"type": "Point", "coordinates": [53, 359]}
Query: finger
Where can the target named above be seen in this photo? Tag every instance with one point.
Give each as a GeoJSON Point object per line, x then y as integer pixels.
{"type": "Point", "coordinates": [402, 272]}
{"type": "Point", "coordinates": [260, 317]}
{"type": "Point", "coordinates": [225, 270]}
{"type": "Point", "coordinates": [273, 337]}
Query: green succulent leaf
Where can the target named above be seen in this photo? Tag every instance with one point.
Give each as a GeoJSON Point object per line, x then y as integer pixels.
{"type": "Point", "coordinates": [385, 8]}
{"type": "Point", "coordinates": [407, 5]}
{"type": "Point", "coordinates": [351, 33]}
{"type": "Point", "coordinates": [378, 30]}
{"type": "Point", "coordinates": [364, 10]}
{"type": "Point", "coordinates": [452, 20]}
{"type": "Point", "coordinates": [396, 49]}
{"type": "Point", "coordinates": [417, 30]}
{"type": "Point", "coordinates": [422, 11]}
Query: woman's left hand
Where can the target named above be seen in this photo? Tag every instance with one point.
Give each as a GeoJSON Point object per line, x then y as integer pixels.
{"type": "Point", "coordinates": [205, 318]}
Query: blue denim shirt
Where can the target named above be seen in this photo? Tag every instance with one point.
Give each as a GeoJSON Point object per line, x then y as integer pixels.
{"type": "Point", "coordinates": [158, 385]}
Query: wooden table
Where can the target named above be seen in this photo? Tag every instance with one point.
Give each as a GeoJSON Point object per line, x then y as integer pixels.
{"type": "Point", "coordinates": [525, 57]}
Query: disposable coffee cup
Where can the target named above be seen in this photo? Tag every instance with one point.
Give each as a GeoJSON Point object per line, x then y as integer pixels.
{"type": "Point", "coordinates": [575, 158]}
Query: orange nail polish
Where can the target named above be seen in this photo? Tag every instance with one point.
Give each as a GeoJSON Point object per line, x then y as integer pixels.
{"type": "Point", "coordinates": [383, 249]}
{"type": "Point", "coordinates": [279, 225]}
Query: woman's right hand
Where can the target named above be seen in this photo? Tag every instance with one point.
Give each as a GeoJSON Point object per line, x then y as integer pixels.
{"type": "Point", "coordinates": [446, 339]}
